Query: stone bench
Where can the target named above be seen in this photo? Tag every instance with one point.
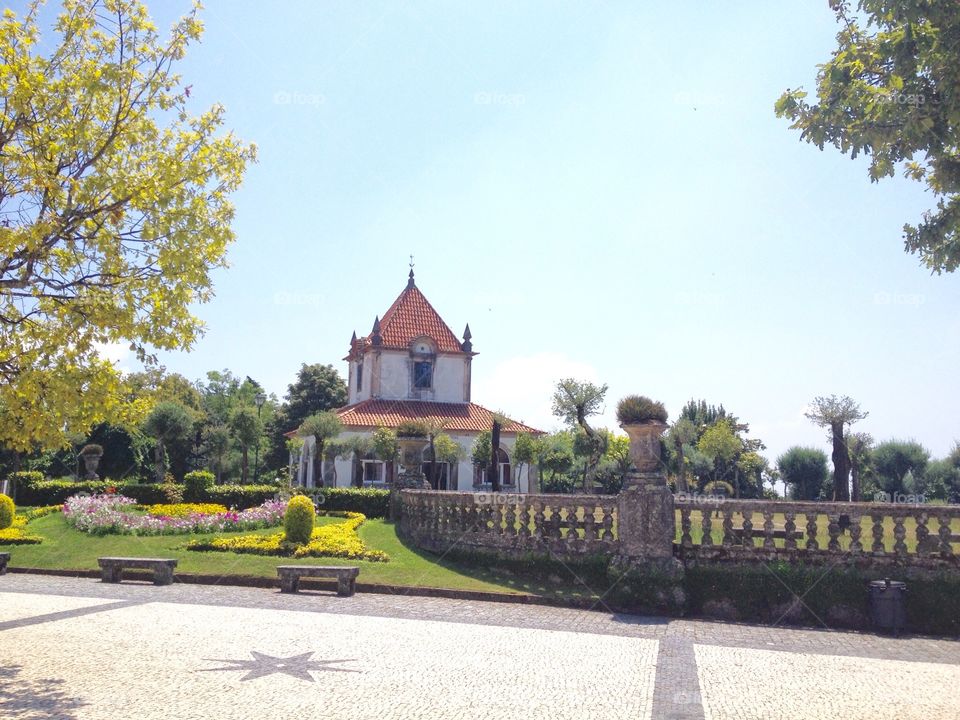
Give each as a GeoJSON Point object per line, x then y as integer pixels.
{"type": "Point", "coordinates": [4, 559]}
{"type": "Point", "coordinates": [111, 568]}
{"type": "Point", "coordinates": [346, 577]}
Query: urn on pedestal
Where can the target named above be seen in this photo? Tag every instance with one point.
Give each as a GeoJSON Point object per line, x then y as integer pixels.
{"type": "Point", "coordinates": [644, 420]}
{"type": "Point", "coordinates": [91, 454]}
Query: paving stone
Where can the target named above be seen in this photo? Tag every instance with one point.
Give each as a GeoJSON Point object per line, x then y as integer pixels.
{"type": "Point", "coordinates": [79, 649]}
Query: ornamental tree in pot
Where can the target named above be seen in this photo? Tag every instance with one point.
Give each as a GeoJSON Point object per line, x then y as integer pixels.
{"type": "Point", "coordinates": [412, 437]}
{"type": "Point", "coordinates": [91, 454]}
{"type": "Point", "coordinates": [644, 420]}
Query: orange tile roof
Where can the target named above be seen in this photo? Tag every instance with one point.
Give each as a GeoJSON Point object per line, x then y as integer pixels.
{"type": "Point", "coordinates": [410, 316]}
{"type": "Point", "coordinates": [457, 417]}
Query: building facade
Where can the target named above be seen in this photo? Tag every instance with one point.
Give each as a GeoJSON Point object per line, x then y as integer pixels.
{"type": "Point", "coordinates": [411, 366]}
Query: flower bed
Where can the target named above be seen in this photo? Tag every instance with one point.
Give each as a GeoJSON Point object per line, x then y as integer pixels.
{"type": "Point", "coordinates": [115, 514]}
{"type": "Point", "coordinates": [17, 534]}
{"type": "Point", "coordinates": [185, 509]}
{"type": "Point", "coordinates": [338, 540]}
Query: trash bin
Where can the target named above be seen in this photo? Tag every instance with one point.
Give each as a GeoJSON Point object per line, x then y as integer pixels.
{"type": "Point", "coordinates": [887, 604]}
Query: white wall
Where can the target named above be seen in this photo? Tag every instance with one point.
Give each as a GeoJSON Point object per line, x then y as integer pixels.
{"type": "Point", "coordinates": [396, 378]}
{"type": "Point", "coordinates": [464, 469]}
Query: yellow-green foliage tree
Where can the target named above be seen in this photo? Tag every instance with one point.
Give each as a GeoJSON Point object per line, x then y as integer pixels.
{"type": "Point", "coordinates": [113, 209]}
{"type": "Point", "coordinates": [7, 511]}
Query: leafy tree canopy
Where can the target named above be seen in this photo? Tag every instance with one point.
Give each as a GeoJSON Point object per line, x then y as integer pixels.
{"type": "Point", "coordinates": [316, 389]}
{"type": "Point", "coordinates": [889, 91]}
{"type": "Point", "coordinates": [113, 209]}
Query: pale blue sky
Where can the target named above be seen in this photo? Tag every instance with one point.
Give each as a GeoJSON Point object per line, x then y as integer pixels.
{"type": "Point", "coordinates": [601, 189]}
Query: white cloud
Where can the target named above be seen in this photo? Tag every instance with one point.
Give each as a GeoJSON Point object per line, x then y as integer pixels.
{"type": "Point", "coordinates": [117, 353]}
{"type": "Point", "coordinates": [522, 387]}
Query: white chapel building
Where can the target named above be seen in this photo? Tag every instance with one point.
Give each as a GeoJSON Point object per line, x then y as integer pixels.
{"type": "Point", "coordinates": [412, 367]}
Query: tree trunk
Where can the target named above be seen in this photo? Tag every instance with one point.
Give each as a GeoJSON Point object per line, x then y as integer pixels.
{"type": "Point", "coordinates": [855, 481]}
{"type": "Point", "coordinates": [318, 464]}
{"type": "Point", "coordinates": [494, 457]}
{"type": "Point", "coordinates": [841, 464]}
{"type": "Point", "coordinates": [244, 463]}
{"type": "Point", "coordinates": [160, 461]}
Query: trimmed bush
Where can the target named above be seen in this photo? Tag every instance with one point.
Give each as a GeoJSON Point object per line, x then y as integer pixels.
{"type": "Point", "coordinates": [240, 497]}
{"type": "Point", "coordinates": [298, 520]}
{"type": "Point", "coordinates": [7, 510]}
{"type": "Point", "coordinates": [92, 449]}
{"type": "Point", "coordinates": [196, 484]}
{"type": "Point", "coordinates": [640, 409]}
{"type": "Point", "coordinates": [372, 502]}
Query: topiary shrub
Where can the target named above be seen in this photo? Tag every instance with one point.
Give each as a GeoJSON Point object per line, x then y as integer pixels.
{"type": "Point", "coordinates": [196, 484]}
{"type": "Point", "coordinates": [298, 520]}
{"type": "Point", "coordinates": [7, 510]}
{"type": "Point", "coordinates": [640, 409]}
{"type": "Point", "coordinates": [92, 449]}
{"type": "Point", "coordinates": [412, 429]}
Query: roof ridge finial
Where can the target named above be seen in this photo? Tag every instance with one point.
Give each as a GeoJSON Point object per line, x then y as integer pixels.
{"type": "Point", "coordinates": [410, 282]}
{"type": "Point", "coordinates": [466, 345]}
{"type": "Point", "coordinates": [375, 337]}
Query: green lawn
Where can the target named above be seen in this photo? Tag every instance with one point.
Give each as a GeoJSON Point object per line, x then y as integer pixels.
{"type": "Point", "coordinates": [68, 549]}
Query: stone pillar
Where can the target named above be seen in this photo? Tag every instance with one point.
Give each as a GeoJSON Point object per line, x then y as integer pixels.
{"type": "Point", "coordinates": [647, 523]}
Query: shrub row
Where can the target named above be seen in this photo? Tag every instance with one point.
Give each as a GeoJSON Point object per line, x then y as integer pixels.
{"type": "Point", "coordinates": [372, 502]}
{"type": "Point", "coordinates": [32, 489]}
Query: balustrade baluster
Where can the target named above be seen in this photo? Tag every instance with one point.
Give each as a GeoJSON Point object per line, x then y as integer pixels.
{"type": "Point", "coordinates": [706, 525]}
{"type": "Point", "coordinates": [833, 530]}
{"type": "Point", "coordinates": [900, 534]}
{"type": "Point", "coordinates": [539, 521]}
{"type": "Point", "coordinates": [923, 534]}
{"type": "Point", "coordinates": [877, 531]}
{"type": "Point", "coordinates": [768, 543]}
{"type": "Point", "coordinates": [589, 524]}
{"type": "Point", "coordinates": [748, 529]}
{"type": "Point", "coordinates": [944, 532]}
{"type": "Point", "coordinates": [811, 543]}
{"type": "Point", "coordinates": [856, 547]}
{"type": "Point", "coordinates": [523, 521]}
{"type": "Point", "coordinates": [573, 535]}
{"type": "Point", "coordinates": [686, 539]}
{"type": "Point", "coordinates": [510, 519]}
{"type": "Point", "coordinates": [789, 530]}
{"type": "Point", "coordinates": [728, 536]}
{"type": "Point", "coordinates": [607, 522]}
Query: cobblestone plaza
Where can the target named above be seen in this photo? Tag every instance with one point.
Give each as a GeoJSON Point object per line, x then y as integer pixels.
{"type": "Point", "coordinates": [75, 648]}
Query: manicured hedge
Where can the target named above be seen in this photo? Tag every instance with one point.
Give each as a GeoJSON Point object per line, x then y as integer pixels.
{"type": "Point", "coordinates": [55, 492]}
{"type": "Point", "coordinates": [240, 497]}
{"type": "Point", "coordinates": [372, 502]}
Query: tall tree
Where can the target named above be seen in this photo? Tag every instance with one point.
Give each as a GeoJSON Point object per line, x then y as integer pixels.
{"type": "Point", "coordinates": [805, 471]}
{"type": "Point", "coordinates": [894, 461]}
{"type": "Point", "coordinates": [524, 454]}
{"type": "Point", "coordinates": [217, 445]}
{"type": "Point", "coordinates": [837, 414]}
{"type": "Point", "coordinates": [494, 473]}
{"type": "Point", "coordinates": [317, 388]}
{"type": "Point", "coordinates": [113, 209]}
{"type": "Point", "coordinates": [574, 402]}
{"type": "Point", "coordinates": [889, 91]}
{"type": "Point", "coordinates": [167, 423]}
{"type": "Point", "coordinates": [321, 427]}
{"type": "Point", "coordinates": [682, 434]}
{"type": "Point", "coordinates": [246, 429]}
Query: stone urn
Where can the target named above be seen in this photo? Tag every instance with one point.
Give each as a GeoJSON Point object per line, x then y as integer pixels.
{"type": "Point", "coordinates": [411, 457]}
{"type": "Point", "coordinates": [645, 444]}
{"type": "Point", "coordinates": [91, 461]}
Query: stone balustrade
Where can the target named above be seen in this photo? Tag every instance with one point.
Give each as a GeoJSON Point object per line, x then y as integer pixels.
{"type": "Point", "coordinates": [921, 535]}
{"type": "Point", "coordinates": [571, 526]}
{"type": "Point", "coordinates": [509, 524]}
